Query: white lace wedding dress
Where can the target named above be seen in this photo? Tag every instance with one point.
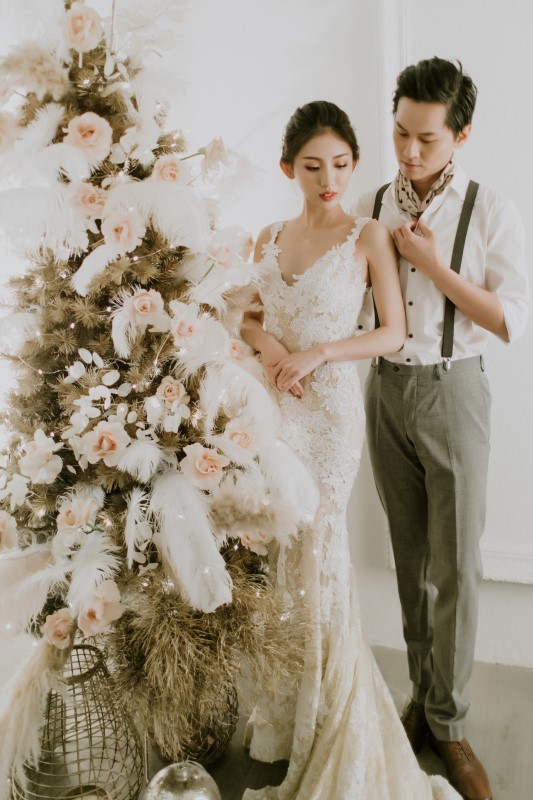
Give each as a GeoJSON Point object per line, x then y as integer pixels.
{"type": "Point", "coordinates": [338, 725]}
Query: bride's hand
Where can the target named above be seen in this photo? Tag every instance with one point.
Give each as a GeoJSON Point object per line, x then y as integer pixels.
{"type": "Point", "coordinates": [271, 355]}
{"type": "Point", "coordinates": [295, 366]}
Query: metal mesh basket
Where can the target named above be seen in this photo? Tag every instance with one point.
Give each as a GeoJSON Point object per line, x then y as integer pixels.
{"type": "Point", "coordinates": [89, 746]}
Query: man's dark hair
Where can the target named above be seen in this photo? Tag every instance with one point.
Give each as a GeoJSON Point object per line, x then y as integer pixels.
{"type": "Point", "coordinates": [436, 80]}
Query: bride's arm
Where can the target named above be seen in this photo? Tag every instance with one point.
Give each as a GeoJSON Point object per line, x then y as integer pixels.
{"type": "Point", "coordinates": [378, 247]}
{"type": "Point", "coordinates": [254, 334]}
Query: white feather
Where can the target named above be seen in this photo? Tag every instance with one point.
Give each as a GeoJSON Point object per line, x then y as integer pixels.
{"type": "Point", "coordinates": [32, 214]}
{"type": "Point", "coordinates": [16, 329]}
{"type": "Point", "coordinates": [289, 480]}
{"type": "Point", "coordinates": [24, 585]}
{"type": "Point", "coordinates": [135, 514]}
{"type": "Point", "coordinates": [95, 561]}
{"type": "Point", "coordinates": [28, 19]}
{"type": "Point", "coordinates": [230, 386]}
{"type": "Point", "coordinates": [186, 543]}
{"type": "Point", "coordinates": [22, 703]}
{"type": "Point", "coordinates": [214, 284]}
{"type": "Point", "coordinates": [41, 131]}
{"type": "Point", "coordinates": [141, 459]}
{"type": "Point", "coordinates": [175, 210]}
{"type": "Point", "coordinates": [211, 345]}
{"type": "Point", "coordinates": [92, 266]}
{"type": "Point", "coordinates": [123, 329]}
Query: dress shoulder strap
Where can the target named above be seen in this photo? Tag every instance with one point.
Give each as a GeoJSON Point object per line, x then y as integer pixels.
{"type": "Point", "coordinates": [275, 229]}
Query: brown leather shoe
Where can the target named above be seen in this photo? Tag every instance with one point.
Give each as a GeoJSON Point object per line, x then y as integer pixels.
{"type": "Point", "coordinates": [464, 769]}
{"type": "Point", "coordinates": [415, 724]}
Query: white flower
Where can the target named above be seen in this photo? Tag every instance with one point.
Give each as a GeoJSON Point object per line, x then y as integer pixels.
{"type": "Point", "coordinates": [101, 610]}
{"type": "Point", "coordinates": [215, 155]}
{"type": "Point", "coordinates": [40, 464]}
{"type": "Point", "coordinates": [75, 512]}
{"type": "Point", "coordinates": [8, 531]}
{"type": "Point", "coordinates": [171, 168]}
{"type": "Point", "coordinates": [16, 489]}
{"type": "Point", "coordinates": [57, 629]}
{"type": "Point", "coordinates": [203, 466]}
{"type": "Point", "coordinates": [107, 442]}
{"type": "Point", "coordinates": [88, 199]}
{"type": "Point", "coordinates": [90, 133]}
{"type": "Point", "coordinates": [123, 229]}
{"type": "Point", "coordinates": [256, 541]}
{"type": "Point", "coordinates": [185, 325]}
{"type": "Point", "coordinates": [82, 27]}
{"type": "Point", "coordinates": [147, 308]}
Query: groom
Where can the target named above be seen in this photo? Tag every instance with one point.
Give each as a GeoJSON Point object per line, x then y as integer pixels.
{"type": "Point", "coordinates": [428, 406]}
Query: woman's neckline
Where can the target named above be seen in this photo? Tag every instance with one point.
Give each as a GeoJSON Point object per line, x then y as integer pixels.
{"type": "Point", "coordinates": [298, 276]}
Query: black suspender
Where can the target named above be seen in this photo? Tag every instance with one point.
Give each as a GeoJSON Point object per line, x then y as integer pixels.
{"type": "Point", "coordinates": [375, 215]}
{"type": "Point", "coordinates": [457, 257]}
{"type": "Point", "coordinates": [378, 201]}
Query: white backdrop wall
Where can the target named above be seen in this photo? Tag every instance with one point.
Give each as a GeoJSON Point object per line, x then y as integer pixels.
{"type": "Point", "coordinates": [245, 66]}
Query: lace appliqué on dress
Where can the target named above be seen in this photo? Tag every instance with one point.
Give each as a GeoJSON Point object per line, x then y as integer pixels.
{"type": "Point", "coordinates": [337, 725]}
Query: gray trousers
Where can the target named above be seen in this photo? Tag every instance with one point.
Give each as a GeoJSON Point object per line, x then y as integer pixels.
{"type": "Point", "coordinates": [428, 438]}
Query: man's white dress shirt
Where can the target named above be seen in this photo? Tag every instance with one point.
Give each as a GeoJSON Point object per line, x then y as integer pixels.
{"type": "Point", "coordinates": [493, 258]}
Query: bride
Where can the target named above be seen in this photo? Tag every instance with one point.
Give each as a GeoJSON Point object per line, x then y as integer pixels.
{"type": "Point", "coordinates": [338, 726]}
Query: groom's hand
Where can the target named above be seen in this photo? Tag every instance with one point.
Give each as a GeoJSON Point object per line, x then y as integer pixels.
{"type": "Point", "coordinates": [418, 245]}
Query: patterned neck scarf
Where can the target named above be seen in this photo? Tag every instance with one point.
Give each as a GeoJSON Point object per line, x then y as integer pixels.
{"type": "Point", "coordinates": [407, 198]}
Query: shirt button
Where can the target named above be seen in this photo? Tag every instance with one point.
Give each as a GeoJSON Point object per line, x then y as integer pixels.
{"type": "Point", "coordinates": [396, 369]}
{"type": "Point", "coordinates": [410, 335]}
{"type": "Point", "coordinates": [408, 359]}
{"type": "Point", "coordinates": [359, 327]}
{"type": "Point", "coordinates": [410, 303]}
{"type": "Point", "coordinates": [413, 269]}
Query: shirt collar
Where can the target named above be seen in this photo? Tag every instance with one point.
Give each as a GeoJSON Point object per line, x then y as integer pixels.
{"type": "Point", "coordinates": [459, 182]}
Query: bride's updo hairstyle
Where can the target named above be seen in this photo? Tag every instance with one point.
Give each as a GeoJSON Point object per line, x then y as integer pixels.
{"type": "Point", "coordinates": [311, 120]}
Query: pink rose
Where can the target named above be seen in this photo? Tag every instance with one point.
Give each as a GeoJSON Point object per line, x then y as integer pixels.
{"type": "Point", "coordinates": [123, 230]}
{"type": "Point", "coordinates": [8, 531]}
{"type": "Point", "coordinates": [148, 305]}
{"type": "Point", "coordinates": [224, 255]}
{"type": "Point", "coordinates": [107, 442]}
{"type": "Point", "coordinates": [247, 246]}
{"type": "Point", "coordinates": [256, 541]}
{"type": "Point", "coordinates": [8, 131]}
{"type": "Point", "coordinates": [237, 350]}
{"type": "Point", "coordinates": [57, 629]}
{"type": "Point", "coordinates": [40, 464]}
{"type": "Point", "coordinates": [6, 91]}
{"type": "Point", "coordinates": [215, 153]}
{"type": "Point", "coordinates": [90, 133]}
{"type": "Point", "coordinates": [171, 168]}
{"type": "Point", "coordinates": [171, 391]}
{"type": "Point", "coordinates": [203, 466]}
{"type": "Point", "coordinates": [103, 609]}
{"type": "Point", "coordinates": [241, 438]}
{"type": "Point", "coordinates": [83, 28]}
{"type": "Point", "coordinates": [74, 513]}
{"type": "Point", "coordinates": [88, 199]}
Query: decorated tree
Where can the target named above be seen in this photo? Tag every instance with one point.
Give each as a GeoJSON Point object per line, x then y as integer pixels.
{"type": "Point", "coordinates": [142, 477]}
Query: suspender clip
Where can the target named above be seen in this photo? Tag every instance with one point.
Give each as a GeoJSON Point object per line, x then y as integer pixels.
{"type": "Point", "coordinates": [447, 364]}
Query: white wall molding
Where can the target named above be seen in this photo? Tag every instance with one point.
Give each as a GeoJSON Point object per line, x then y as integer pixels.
{"type": "Point", "coordinates": [497, 565]}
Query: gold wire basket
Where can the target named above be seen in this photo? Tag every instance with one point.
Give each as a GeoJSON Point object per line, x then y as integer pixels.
{"type": "Point", "coordinates": [89, 745]}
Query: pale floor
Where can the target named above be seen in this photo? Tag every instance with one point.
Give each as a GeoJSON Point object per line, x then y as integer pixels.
{"type": "Point", "coordinates": [499, 729]}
